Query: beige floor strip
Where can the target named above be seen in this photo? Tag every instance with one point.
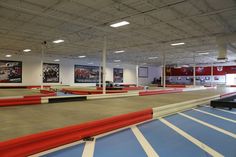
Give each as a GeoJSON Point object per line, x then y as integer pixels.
{"type": "Point", "coordinates": [221, 110]}
{"type": "Point", "coordinates": [144, 143]}
{"type": "Point", "coordinates": [209, 125]}
{"type": "Point", "coordinates": [201, 145]}
{"type": "Point", "coordinates": [231, 120]}
{"type": "Point", "coordinates": [89, 149]}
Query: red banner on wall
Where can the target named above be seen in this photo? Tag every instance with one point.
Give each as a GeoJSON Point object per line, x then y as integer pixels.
{"type": "Point", "coordinates": [200, 71]}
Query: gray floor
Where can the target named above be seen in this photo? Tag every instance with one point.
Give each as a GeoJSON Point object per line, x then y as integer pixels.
{"type": "Point", "coordinates": [24, 120]}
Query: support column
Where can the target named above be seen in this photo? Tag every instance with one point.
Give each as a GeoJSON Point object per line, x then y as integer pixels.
{"type": "Point", "coordinates": [42, 57]}
{"type": "Point", "coordinates": [104, 53]}
{"type": "Point", "coordinates": [212, 73]}
{"type": "Point", "coordinates": [137, 79]}
{"type": "Point", "coordinates": [164, 70]}
{"type": "Point", "coordinates": [100, 76]}
{"type": "Point", "coordinates": [194, 71]}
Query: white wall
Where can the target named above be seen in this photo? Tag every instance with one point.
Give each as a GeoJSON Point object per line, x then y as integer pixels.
{"type": "Point", "coordinates": [152, 73]}
{"type": "Point", "coordinates": [31, 71]}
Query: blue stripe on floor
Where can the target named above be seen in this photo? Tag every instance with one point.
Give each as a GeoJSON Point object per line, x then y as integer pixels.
{"type": "Point", "coordinates": [74, 151]}
{"type": "Point", "coordinates": [167, 142]}
{"type": "Point", "coordinates": [224, 124]}
{"type": "Point", "coordinates": [218, 141]}
{"type": "Point", "coordinates": [218, 112]}
{"type": "Point", "coordinates": [120, 144]}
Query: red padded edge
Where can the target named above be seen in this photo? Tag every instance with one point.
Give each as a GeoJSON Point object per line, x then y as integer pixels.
{"type": "Point", "coordinates": [36, 143]}
{"type": "Point", "coordinates": [145, 93]}
{"type": "Point", "coordinates": [20, 101]}
{"type": "Point", "coordinates": [124, 88]}
{"type": "Point", "coordinates": [227, 94]}
{"type": "Point", "coordinates": [133, 88]}
{"type": "Point", "coordinates": [30, 87]}
{"type": "Point", "coordinates": [89, 92]}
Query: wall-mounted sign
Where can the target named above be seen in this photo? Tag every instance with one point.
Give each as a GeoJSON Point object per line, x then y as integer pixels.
{"type": "Point", "coordinates": [10, 71]}
{"type": "Point", "coordinates": [51, 73]}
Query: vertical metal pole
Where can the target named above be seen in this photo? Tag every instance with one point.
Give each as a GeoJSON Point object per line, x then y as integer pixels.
{"type": "Point", "coordinates": [212, 73]}
{"type": "Point", "coordinates": [164, 70]}
{"type": "Point", "coordinates": [162, 75]}
{"type": "Point", "coordinates": [137, 79]}
{"type": "Point", "coordinates": [104, 65]}
{"type": "Point", "coordinates": [42, 57]}
{"type": "Point", "coordinates": [194, 71]}
{"type": "Point", "coordinates": [100, 76]}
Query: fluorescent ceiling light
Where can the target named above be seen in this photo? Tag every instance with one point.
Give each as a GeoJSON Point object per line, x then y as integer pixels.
{"type": "Point", "coordinates": [81, 56]}
{"type": "Point", "coordinates": [8, 56]}
{"type": "Point", "coordinates": [91, 63]}
{"type": "Point", "coordinates": [119, 24]}
{"type": "Point", "coordinates": [117, 65]}
{"type": "Point", "coordinates": [117, 60]}
{"type": "Point", "coordinates": [27, 50]}
{"type": "Point", "coordinates": [121, 51]}
{"type": "Point", "coordinates": [58, 41]}
{"type": "Point", "coordinates": [57, 60]}
{"type": "Point", "coordinates": [203, 53]}
{"type": "Point", "coordinates": [177, 44]}
{"type": "Point", "coordinates": [152, 57]}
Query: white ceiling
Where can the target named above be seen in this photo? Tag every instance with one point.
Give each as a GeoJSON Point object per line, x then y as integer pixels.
{"type": "Point", "coordinates": [154, 25]}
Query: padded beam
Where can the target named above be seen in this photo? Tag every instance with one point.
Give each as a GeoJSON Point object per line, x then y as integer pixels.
{"type": "Point", "coordinates": [89, 92]}
{"type": "Point", "coordinates": [20, 101]}
{"type": "Point", "coordinates": [32, 144]}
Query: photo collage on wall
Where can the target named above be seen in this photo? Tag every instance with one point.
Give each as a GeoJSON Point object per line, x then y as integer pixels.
{"type": "Point", "coordinates": [86, 74]}
{"type": "Point", "coordinates": [51, 73]}
{"type": "Point", "coordinates": [10, 71]}
{"type": "Point", "coordinates": [118, 75]}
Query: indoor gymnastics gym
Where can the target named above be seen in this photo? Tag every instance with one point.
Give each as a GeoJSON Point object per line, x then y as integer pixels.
{"type": "Point", "coordinates": [117, 78]}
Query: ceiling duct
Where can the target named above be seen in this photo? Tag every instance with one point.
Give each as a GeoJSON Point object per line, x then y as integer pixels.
{"type": "Point", "coordinates": [223, 42]}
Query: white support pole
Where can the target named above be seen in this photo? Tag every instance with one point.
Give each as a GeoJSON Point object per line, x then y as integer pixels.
{"type": "Point", "coordinates": [100, 76]}
{"type": "Point", "coordinates": [212, 73]}
{"type": "Point", "coordinates": [104, 65]}
{"type": "Point", "coordinates": [164, 70]}
{"type": "Point", "coordinates": [194, 71]}
{"type": "Point", "coordinates": [42, 57]}
{"type": "Point", "coordinates": [137, 79]}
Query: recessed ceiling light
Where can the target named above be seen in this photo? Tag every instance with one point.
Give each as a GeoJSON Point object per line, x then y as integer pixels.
{"type": "Point", "coordinates": [177, 44]}
{"type": "Point", "coordinates": [119, 24]}
{"type": "Point", "coordinates": [81, 56]}
{"type": "Point", "coordinates": [57, 60]}
{"type": "Point", "coordinates": [152, 57]}
{"type": "Point", "coordinates": [120, 51]}
{"type": "Point", "coordinates": [8, 56]}
{"type": "Point", "coordinates": [91, 63]}
{"type": "Point", "coordinates": [203, 53]}
{"type": "Point", "coordinates": [27, 50]}
{"type": "Point", "coordinates": [117, 60]}
{"type": "Point", "coordinates": [58, 41]}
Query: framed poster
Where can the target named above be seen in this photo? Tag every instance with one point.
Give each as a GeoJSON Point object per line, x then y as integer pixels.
{"type": "Point", "coordinates": [86, 74]}
{"type": "Point", "coordinates": [143, 72]}
{"type": "Point", "coordinates": [51, 73]}
{"type": "Point", "coordinates": [118, 75]}
{"type": "Point", "coordinates": [10, 71]}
